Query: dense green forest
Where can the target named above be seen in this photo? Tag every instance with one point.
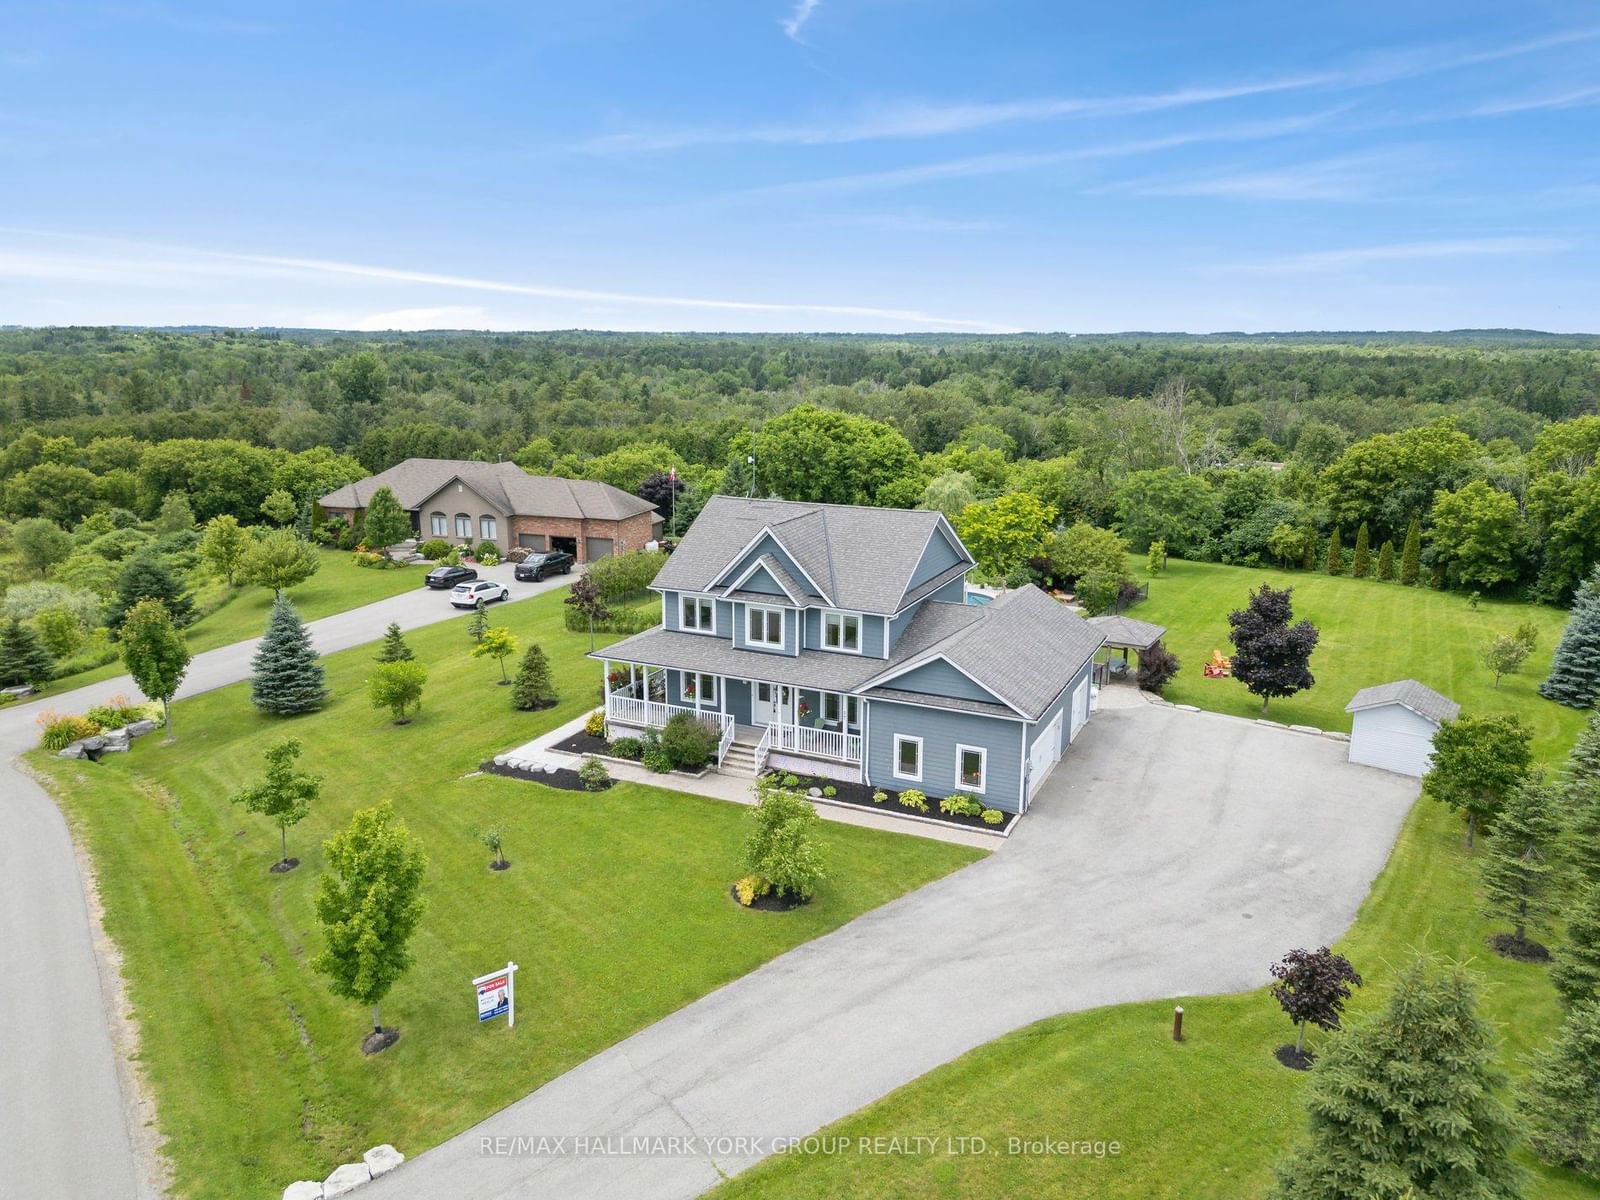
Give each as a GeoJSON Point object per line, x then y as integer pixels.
{"type": "Point", "coordinates": [1465, 459]}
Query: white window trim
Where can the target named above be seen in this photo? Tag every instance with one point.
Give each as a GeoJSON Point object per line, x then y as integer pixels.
{"type": "Point", "coordinates": [762, 641]}
{"type": "Point", "coordinates": [841, 614]}
{"type": "Point", "coordinates": [698, 599]}
{"type": "Point", "coordinates": [983, 768]}
{"type": "Point", "coordinates": [895, 765]}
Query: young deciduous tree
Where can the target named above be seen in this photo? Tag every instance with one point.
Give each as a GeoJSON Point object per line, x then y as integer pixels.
{"type": "Point", "coordinates": [1308, 558]}
{"type": "Point", "coordinates": [1518, 870]}
{"type": "Point", "coordinates": [287, 678]}
{"type": "Point", "coordinates": [1575, 671]}
{"type": "Point", "coordinates": [59, 629]}
{"type": "Point", "coordinates": [1560, 1103]}
{"type": "Point", "coordinates": [223, 545]}
{"type": "Point", "coordinates": [386, 522]}
{"type": "Point", "coordinates": [281, 560]}
{"type": "Point", "coordinates": [369, 903]}
{"type": "Point", "coordinates": [494, 840]}
{"type": "Point", "coordinates": [1386, 562]}
{"type": "Point", "coordinates": [283, 795]}
{"type": "Point", "coordinates": [41, 543]}
{"type": "Point", "coordinates": [397, 686]}
{"type": "Point", "coordinates": [23, 656]}
{"type": "Point", "coordinates": [782, 847]}
{"type": "Point", "coordinates": [1411, 554]}
{"type": "Point", "coordinates": [1004, 533]}
{"type": "Point", "coordinates": [1361, 564]}
{"type": "Point", "coordinates": [949, 492]}
{"type": "Point", "coordinates": [585, 597]}
{"type": "Point", "coordinates": [1502, 654]}
{"type": "Point", "coordinates": [1272, 657]}
{"type": "Point", "coordinates": [499, 644]}
{"type": "Point", "coordinates": [1575, 969]}
{"type": "Point", "coordinates": [175, 516]}
{"type": "Point", "coordinates": [533, 687]}
{"type": "Point", "coordinates": [1477, 761]}
{"type": "Point", "coordinates": [394, 648]}
{"type": "Point", "coordinates": [1406, 1103]}
{"type": "Point", "coordinates": [279, 507]}
{"type": "Point", "coordinates": [155, 654]}
{"type": "Point", "coordinates": [1311, 987]}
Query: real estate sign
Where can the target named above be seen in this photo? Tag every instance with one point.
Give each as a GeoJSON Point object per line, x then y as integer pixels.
{"type": "Point", "coordinates": [497, 995]}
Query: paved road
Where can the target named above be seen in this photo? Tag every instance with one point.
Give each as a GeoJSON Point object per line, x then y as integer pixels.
{"type": "Point", "coordinates": [1172, 853]}
{"type": "Point", "coordinates": [63, 1132]}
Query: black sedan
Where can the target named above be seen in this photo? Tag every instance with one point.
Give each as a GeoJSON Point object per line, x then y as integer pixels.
{"type": "Point", "coordinates": [445, 578]}
{"type": "Point", "coordinates": [550, 562]}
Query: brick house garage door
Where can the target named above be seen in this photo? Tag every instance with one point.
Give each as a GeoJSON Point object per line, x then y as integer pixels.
{"type": "Point", "coordinates": [531, 541]}
{"type": "Point", "coordinates": [594, 548]}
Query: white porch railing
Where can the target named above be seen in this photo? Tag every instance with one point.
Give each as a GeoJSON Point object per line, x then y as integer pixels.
{"type": "Point", "coordinates": [763, 748]}
{"type": "Point", "coordinates": [823, 743]}
{"type": "Point", "coordinates": [653, 714]}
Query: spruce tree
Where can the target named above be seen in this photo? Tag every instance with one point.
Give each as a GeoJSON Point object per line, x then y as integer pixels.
{"type": "Point", "coordinates": [287, 673]}
{"type": "Point", "coordinates": [1386, 562]}
{"type": "Point", "coordinates": [394, 648]}
{"type": "Point", "coordinates": [1362, 563]}
{"type": "Point", "coordinates": [1406, 1102]}
{"type": "Point", "coordinates": [1560, 1102]}
{"type": "Point", "coordinates": [1575, 971]}
{"type": "Point", "coordinates": [23, 657]}
{"type": "Point", "coordinates": [1411, 554]}
{"type": "Point", "coordinates": [1335, 555]}
{"type": "Point", "coordinates": [1308, 562]}
{"type": "Point", "coordinates": [1517, 872]}
{"type": "Point", "coordinates": [1575, 672]}
{"type": "Point", "coordinates": [479, 624]}
{"type": "Point", "coordinates": [533, 688]}
{"type": "Point", "coordinates": [1583, 761]}
{"type": "Point", "coordinates": [146, 577]}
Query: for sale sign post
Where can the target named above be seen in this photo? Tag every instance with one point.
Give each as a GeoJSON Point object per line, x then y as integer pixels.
{"type": "Point", "coordinates": [497, 995]}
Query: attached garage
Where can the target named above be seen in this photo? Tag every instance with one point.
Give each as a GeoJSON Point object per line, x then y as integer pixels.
{"type": "Point", "coordinates": [596, 547]}
{"type": "Point", "coordinates": [1392, 726]}
{"type": "Point", "coordinates": [1043, 754]}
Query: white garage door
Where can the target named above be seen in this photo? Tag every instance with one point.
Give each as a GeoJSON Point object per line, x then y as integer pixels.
{"type": "Point", "coordinates": [1044, 754]}
{"type": "Point", "coordinates": [1080, 706]}
{"type": "Point", "coordinates": [1393, 738]}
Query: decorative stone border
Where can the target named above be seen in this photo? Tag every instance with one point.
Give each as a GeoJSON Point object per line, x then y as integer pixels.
{"type": "Point", "coordinates": [1309, 730]}
{"type": "Point", "coordinates": [380, 1160]}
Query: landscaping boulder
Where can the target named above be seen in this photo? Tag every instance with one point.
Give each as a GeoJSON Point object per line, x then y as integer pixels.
{"type": "Point", "coordinates": [20, 691]}
{"type": "Point", "coordinates": [140, 728]}
{"type": "Point", "coordinates": [814, 792]}
{"type": "Point", "coordinates": [72, 750]}
{"type": "Point", "coordinates": [346, 1179]}
{"type": "Point", "coordinates": [303, 1189]}
{"type": "Point", "coordinates": [116, 739]}
{"type": "Point", "coordinates": [382, 1159]}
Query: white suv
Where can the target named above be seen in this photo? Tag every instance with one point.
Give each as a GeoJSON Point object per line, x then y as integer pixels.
{"type": "Point", "coordinates": [467, 595]}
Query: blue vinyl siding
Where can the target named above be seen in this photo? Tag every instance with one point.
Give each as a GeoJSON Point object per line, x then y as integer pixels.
{"type": "Point", "coordinates": [939, 556]}
{"type": "Point", "coordinates": [939, 678]}
{"type": "Point", "coordinates": [899, 624]}
{"type": "Point", "coordinates": [941, 730]}
{"type": "Point", "coordinates": [761, 581]}
{"type": "Point", "coordinates": [765, 546]}
{"type": "Point", "coordinates": [673, 611]}
{"type": "Point", "coordinates": [954, 592]}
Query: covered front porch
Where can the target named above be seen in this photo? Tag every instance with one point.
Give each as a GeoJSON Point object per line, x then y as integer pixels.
{"type": "Point", "coordinates": [759, 723]}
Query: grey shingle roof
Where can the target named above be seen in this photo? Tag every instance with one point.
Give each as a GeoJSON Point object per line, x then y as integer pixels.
{"type": "Point", "coordinates": [1125, 631]}
{"type": "Point", "coordinates": [698, 652]}
{"type": "Point", "coordinates": [862, 558]}
{"type": "Point", "coordinates": [1418, 697]}
{"type": "Point", "coordinates": [505, 485]}
{"type": "Point", "coordinates": [951, 702]}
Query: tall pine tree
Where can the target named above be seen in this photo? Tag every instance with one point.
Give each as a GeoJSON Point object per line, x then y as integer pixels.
{"type": "Point", "coordinates": [1561, 1101]}
{"type": "Point", "coordinates": [1576, 969]}
{"type": "Point", "coordinates": [1335, 555]}
{"type": "Point", "coordinates": [1411, 554]}
{"type": "Point", "coordinates": [287, 673]}
{"type": "Point", "coordinates": [1386, 562]}
{"type": "Point", "coordinates": [394, 648]}
{"type": "Point", "coordinates": [533, 688]}
{"type": "Point", "coordinates": [1518, 871]}
{"type": "Point", "coordinates": [1575, 672]}
{"type": "Point", "coordinates": [146, 577]}
{"type": "Point", "coordinates": [23, 657]}
{"type": "Point", "coordinates": [1362, 563]}
{"type": "Point", "coordinates": [1405, 1103]}
{"type": "Point", "coordinates": [1308, 562]}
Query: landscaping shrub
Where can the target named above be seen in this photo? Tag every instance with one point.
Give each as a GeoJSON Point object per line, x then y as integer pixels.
{"type": "Point", "coordinates": [750, 889]}
{"type": "Point", "coordinates": [615, 620]}
{"type": "Point", "coordinates": [595, 725]}
{"type": "Point", "coordinates": [1157, 666]}
{"type": "Point", "coordinates": [879, 797]}
{"type": "Point", "coordinates": [434, 549]}
{"type": "Point", "coordinates": [116, 713]}
{"type": "Point", "coordinates": [61, 731]}
{"type": "Point", "coordinates": [594, 774]}
{"type": "Point", "coordinates": [687, 743]}
{"type": "Point", "coordinates": [487, 550]}
{"type": "Point", "coordinates": [782, 846]}
{"type": "Point", "coordinates": [957, 805]}
{"type": "Point", "coordinates": [791, 781]}
{"type": "Point", "coordinates": [369, 558]}
{"type": "Point", "coordinates": [627, 747]}
{"type": "Point", "coordinates": [914, 799]}
{"type": "Point", "coordinates": [626, 574]}
{"type": "Point", "coordinates": [830, 791]}
{"type": "Point", "coordinates": [992, 816]}
{"type": "Point", "coordinates": [652, 755]}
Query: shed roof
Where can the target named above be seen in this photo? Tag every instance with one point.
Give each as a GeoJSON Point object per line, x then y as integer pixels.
{"type": "Point", "coordinates": [1123, 631]}
{"type": "Point", "coordinates": [1407, 693]}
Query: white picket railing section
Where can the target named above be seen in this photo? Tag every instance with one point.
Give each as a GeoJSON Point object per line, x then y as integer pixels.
{"type": "Point", "coordinates": [726, 740]}
{"type": "Point", "coordinates": [763, 748]}
{"type": "Point", "coordinates": [824, 743]}
{"type": "Point", "coordinates": [653, 714]}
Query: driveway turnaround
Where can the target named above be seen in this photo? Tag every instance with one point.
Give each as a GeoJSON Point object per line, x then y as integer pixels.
{"type": "Point", "coordinates": [1172, 853]}
{"type": "Point", "coordinates": [63, 1132]}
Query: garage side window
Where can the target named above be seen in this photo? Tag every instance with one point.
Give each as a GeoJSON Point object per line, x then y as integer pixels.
{"type": "Point", "coordinates": [436, 524]}
{"type": "Point", "coordinates": [463, 525]}
{"type": "Point", "coordinates": [486, 528]}
{"type": "Point", "coordinates": [971, 765]}
{"type": "Point", "coordinates": [908, 757]}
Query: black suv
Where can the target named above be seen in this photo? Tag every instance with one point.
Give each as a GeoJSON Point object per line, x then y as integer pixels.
{"type": "Point", "coordinates": [448, 577]}
{"type": "Point", "coordinates": [547, 562]}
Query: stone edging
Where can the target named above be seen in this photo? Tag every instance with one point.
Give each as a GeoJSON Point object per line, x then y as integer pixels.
{"type": "Point", "coordinates": [380, 1160]}
{"type": "Point", "coordinates": [1308, 730]}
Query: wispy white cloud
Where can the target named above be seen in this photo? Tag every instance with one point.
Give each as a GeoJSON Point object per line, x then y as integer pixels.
{"type": "Point", "coordinates": [795, 22]}
{"type": "Point", "coordinates": [140, 264]}
{"type": "Point", "coordinates": [907, 120]}
{"type": "Point", "coordinates": [1360, 256]}
{"type": "Point", "coordinates": [1571, 98]}
{"type": "Point", "coordinates": [907, 222]}
{"type": "Point", "coordinates": [1345, 178]}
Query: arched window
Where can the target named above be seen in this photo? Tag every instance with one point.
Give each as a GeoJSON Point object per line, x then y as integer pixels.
{"type": "Point", "coordinates": [437, 524]}
{"type": "Point", "coordinates": [486, 529]}
{"type": "Point", "coordinates": [463, 525]}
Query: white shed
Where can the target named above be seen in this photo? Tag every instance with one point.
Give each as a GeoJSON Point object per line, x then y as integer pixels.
{"type": "Point", "coordinates": [1394, 723]}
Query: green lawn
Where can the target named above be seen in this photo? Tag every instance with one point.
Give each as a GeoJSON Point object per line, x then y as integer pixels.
{"type": "Point", "coordinates": [616, 908]}
{"type": "Point", "coordinates": [338, 585]}
{"type": "Point", "coordinates": [1371, 633]}
{"type": "Point", "coordinates": [1207, 1118]}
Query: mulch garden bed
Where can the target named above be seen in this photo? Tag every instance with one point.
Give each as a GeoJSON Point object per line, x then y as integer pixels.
{"type": "Point", "coordinates": [771, 902]}
{"type": "Point", "coordinates": [585, 743]}
{"type": "Point", "coordinates": [564, 778]}
{"type": "Point", "coordinates": [284, 865]}
{"type": "Point", "coordinates": [860, 795]}
{"type": "Point", "coordinates": [1295, 1060]}
{"type": "Point", "coordinates": [1508, 945]}
{"type": "Point", "coordinates": [377, 1041]}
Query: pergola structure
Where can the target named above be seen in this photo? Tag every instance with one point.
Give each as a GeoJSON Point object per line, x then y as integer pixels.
{"type": "Point", "coordinates": [1125, 633]}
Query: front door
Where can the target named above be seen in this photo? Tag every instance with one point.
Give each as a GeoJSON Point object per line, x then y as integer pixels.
{"type": "Point", "coordinates": [772, 702]}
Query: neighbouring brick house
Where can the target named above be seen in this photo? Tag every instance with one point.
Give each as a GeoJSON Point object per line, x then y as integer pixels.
{"type": "Point", "coordinates": [471, 502]}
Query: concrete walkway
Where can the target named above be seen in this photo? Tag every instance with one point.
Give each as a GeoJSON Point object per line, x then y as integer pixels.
{"type": "Point", "coordinates": [63, 1131]}
{"type": "Point", "coordinates": [1172, 853]}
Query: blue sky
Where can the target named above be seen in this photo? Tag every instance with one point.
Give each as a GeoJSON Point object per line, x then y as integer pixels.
{"type": "Point", "coordinates": [802, 165]}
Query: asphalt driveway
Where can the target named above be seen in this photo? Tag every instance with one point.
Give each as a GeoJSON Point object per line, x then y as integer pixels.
{"type": "Point", "coordinates": [1171, 853]}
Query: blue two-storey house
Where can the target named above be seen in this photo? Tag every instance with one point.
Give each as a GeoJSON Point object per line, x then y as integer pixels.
{"type": "Point", "coordinates": [840, 641]}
